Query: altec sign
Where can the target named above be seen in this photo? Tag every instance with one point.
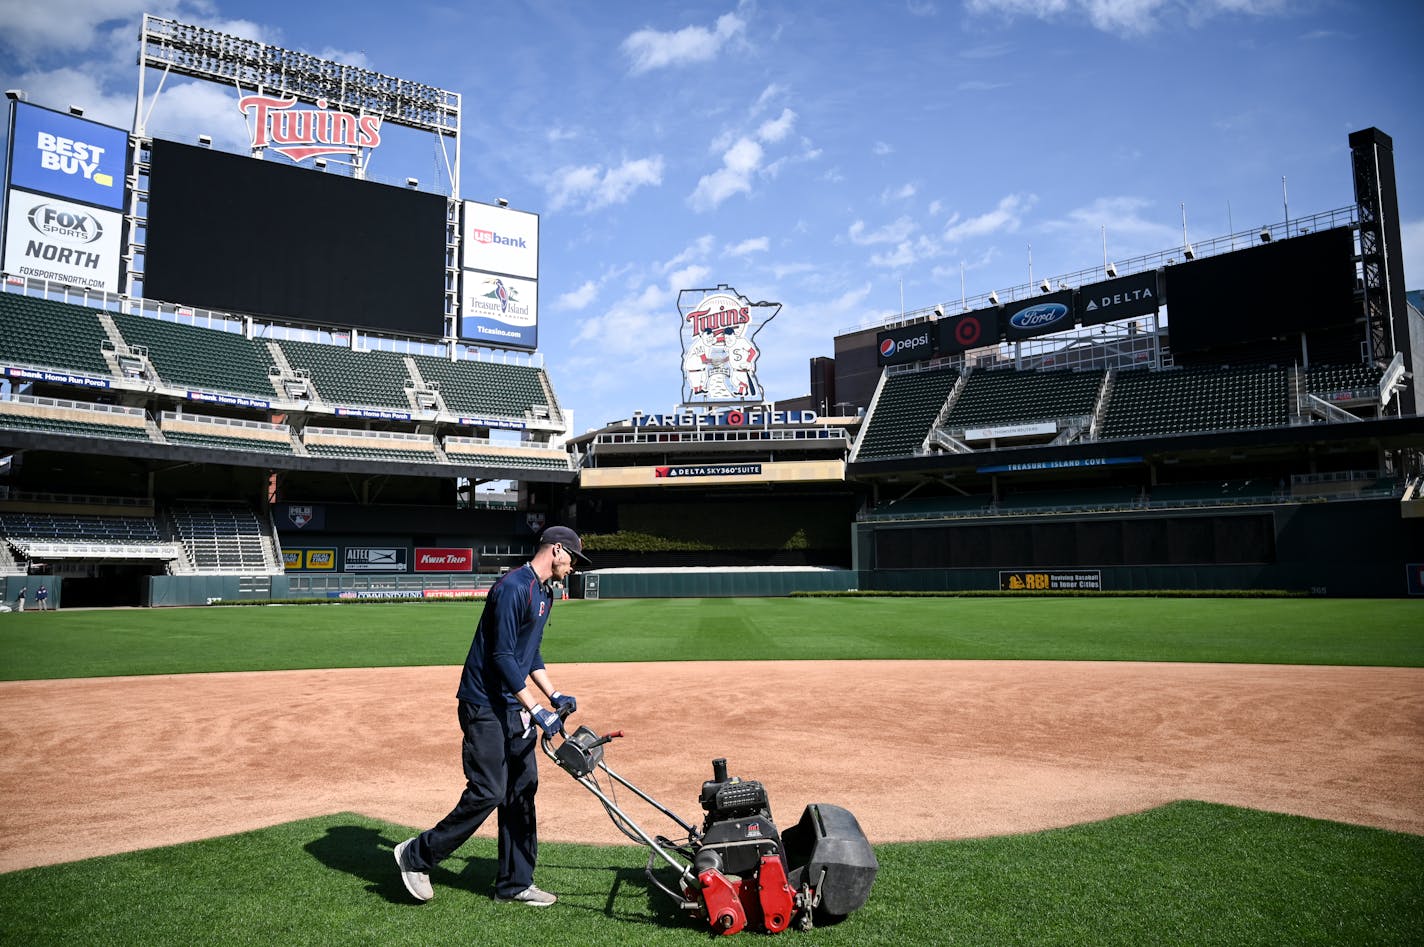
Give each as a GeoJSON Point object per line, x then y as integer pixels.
{"type": "Point", "coordinates": [307, 133]}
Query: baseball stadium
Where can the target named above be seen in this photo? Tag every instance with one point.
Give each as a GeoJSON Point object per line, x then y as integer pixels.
{"type": "Point", "coordinates": [1081, 611]}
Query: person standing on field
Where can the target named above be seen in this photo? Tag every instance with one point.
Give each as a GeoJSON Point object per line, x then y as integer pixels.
{"type": "Point", "coordinates": [501, 720]}
{"type": "Point", "coordinates": [42, 598]}
{"type": "Point", "coordinates": [20, 599]}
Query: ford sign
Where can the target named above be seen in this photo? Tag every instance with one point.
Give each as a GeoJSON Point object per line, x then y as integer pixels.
{"type": "Point", "coordinates": [1036, 317]}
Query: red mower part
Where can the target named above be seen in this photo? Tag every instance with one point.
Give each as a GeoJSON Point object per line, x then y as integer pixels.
{"type": "Point", "coordinates": [720, 900]}
{"type": "Point", "coordinates": [777, 897]}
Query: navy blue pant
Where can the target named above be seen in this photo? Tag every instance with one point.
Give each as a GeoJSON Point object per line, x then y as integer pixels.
{"type": "Point", "coordinates": [500, 773]}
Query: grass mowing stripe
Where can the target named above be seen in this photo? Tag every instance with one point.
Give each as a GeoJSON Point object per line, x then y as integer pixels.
{"type": "Point", "coordinates": [1385, 632]}
{"type": "Point", "coordinates": [1187, 873]}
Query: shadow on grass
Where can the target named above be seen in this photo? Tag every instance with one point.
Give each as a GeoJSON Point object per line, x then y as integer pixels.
{"type": "Point", "coordinates": [627, 895]}
{"type": "Point", "coordinates": [366, 853]}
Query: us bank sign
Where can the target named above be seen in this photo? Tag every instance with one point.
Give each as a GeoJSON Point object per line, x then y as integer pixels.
{"type": "Point", "coordinates": [718, 331]}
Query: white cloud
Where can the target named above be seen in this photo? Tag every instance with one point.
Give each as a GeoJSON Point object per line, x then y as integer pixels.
{"type": "Point", "coordinates": [579, 298]}
{"type": "Point", "coordinates": [901, 193]}
{"type": "Point", "coordinates": [1122, 219]}
{"type": "Point", "coordinates": [653, 49]}
{"type": "Point", "coordinates": [881, 149]}
{"type": "Point", "coordinates": [749, 246]}
{"type": "Point", "coordinates": [921, 8]}
{"type": "Point", "coordinates": [907, 253]}
{"type": "Point", "coordinates": [776, 129]}
{"type": "Point", "coordinates": [1127, 16]}
{"type": "Point", "coordinates": [772, 91]}
{"type": "Point", "coordinates": [1006, 216]}
{"type": "Point", "coordinates": [934, 208]}
{"type": "Point", "coordinates": [557, 134]}
{"type": "Point", "coordinates": [590, 187]}
{"type": "Point", "coordinates": [895, 232]}
{"type": "Point", "coordinates": [739, 163]}
{"type": "Point", "coordinates": [698, 249]}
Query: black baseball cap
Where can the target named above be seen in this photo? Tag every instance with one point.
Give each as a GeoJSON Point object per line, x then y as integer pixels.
{"type": "Point", "coordinates": [566, 538]}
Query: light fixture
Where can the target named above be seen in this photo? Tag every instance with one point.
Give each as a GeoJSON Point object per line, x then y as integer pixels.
{"type": "Point", "coordinates": [502, 201]}
{"type": "Point", "coordinates": [1045, 286]}
{"type": "Point", "coordinates": [1265, 235]}
{"type": "Point", "coordinates": [76, 111]}
{"type": "Point", "coordinates": [994, 299]}
{"type": "Point", "coordinates": [1189, 253]}
{"type": "Point", "coordinates": [205, 140]}
{"type": "Point", "coordinates": [320, 162]}
{"type": "Point", "coordinates": [1111, 270]}
{"type": "Point", "coordinates": [1062, 286]}
{"type": "Point", "coordinates": [412, 182]}
{"type": "Point", "coordinates": [939, 311]}
{"type": "Point", "coordinates": [15, 95]}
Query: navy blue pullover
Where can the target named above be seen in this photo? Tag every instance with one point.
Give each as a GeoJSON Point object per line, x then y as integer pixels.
{"type": "Point", "coordinates": [506, 646]}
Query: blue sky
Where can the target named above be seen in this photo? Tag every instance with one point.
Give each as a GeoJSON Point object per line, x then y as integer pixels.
{"type": "Point", "coordinates": [837, 157]}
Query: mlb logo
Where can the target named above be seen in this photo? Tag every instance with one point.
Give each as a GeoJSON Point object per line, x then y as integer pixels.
{"type": "Point", "coordinates": [300, 515]}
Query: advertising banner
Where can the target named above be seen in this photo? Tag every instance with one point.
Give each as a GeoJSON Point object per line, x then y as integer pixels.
{"type": "Point", "coordinates": [444, 560]}
{"type": "Point", "coordinates": [1042, 316]}
{"type": "Point", "coordinates": [291, 560]}
{"type": "Point", "coordinates": [500, 310]}
{"type": "Point", "coordinates": [56, 378]}
{"type": "Point", "coordinates": [322, 560]}
{"type": "Point", "coordinates": [900, 346]}
{"type": "Point", "coordinates": [1081, 580]}
{"type": "Point", "coordinates": [500, 240]}
{"type": "Point", "coordinates": [969, 331]}
{"type": "Point", "coordinates": [375, 559]}
{"type": "Point", "coordinates": [1123, 298]}
{"type": "Point", "coordinates": [67, 156]}
{"type": "Point", "coordinates": [53, 239]}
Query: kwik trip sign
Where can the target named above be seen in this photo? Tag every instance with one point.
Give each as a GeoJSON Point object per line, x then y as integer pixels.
{"type": "Point", "coordinates": [718, 330]}
{"type": "Point", "coordinates": [277, 123]}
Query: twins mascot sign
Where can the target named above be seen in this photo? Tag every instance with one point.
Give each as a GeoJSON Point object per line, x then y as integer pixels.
{"type": "Point", "coordinates": [719, 347]}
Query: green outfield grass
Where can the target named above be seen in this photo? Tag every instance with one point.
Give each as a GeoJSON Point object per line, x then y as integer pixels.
{"type": "Point", "coordinates": [1385, 632]}
{"type": "Point", "coordinates": [1186, 874]}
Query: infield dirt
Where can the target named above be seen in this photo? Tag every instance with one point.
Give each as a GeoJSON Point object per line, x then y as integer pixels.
{"type": "Point", "coordinates": [916, 749]}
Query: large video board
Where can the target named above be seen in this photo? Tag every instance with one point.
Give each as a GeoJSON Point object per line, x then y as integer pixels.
{"type": "Point", "coordinates": [1296, 285]}
{"type": "Point", "coordinates": [236, 234]}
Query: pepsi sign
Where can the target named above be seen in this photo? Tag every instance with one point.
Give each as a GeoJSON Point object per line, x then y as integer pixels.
{"type": "Point", "coordinates": [68, 156]}
{"type": "Point", "coordinates": [913, 343]}
{"type": "Point", "coordinates": [1045, 315]}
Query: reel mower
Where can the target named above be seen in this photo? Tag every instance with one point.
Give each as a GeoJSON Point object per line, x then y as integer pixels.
{"type": "Point", "coordinates": [736, 871]}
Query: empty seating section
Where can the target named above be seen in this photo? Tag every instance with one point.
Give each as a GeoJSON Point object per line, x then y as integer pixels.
{"type": "Point", "coordinates": [371, 445]}
{"type": "Point", "coordinates": [344, 376]}
{"type": "Point", "coordinates": [487, 388]}
{"type": "Point", "coordinates": [51, 334]}
{"type": "Point", "coordinates": [908, 404]}
{"type": "Point", "coordinates": [76, 527]}
{"type": "Point", "coordinates": [1178, 401]}
{"type": "Point", "coordinates": [477, 451]}
{"type": "Point", "coordinates": [226, 434]}
{"type": "Point", "coordinates": [193, 357]}
{"type": "Point", "coordinates": [1335, 379]}
{"type": "Point", "coordinates": [1011, 397]}
{"type": "Point", "coordinates": [1226, 491]}
{"type": "Point", "coordinates": [221, 537]}
{"type": "Point", "coordinates": [73, 418]}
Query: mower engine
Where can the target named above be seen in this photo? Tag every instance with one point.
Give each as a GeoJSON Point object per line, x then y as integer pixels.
{"type": "Point", "coordinates": [747, 875]}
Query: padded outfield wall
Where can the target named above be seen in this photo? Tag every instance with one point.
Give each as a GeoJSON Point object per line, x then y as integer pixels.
{"type": "Point", "coordinates": [1337, 548]}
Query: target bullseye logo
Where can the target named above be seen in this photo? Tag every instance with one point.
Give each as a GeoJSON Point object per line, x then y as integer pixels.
{"type": "Point", "coordinates": [736, 418]}
{"type": "Point", "coordinates": [967, 332]}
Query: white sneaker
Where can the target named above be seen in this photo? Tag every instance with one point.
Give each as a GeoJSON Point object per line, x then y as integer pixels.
{"type": "Point", "coordinates": [416, 882]}
{"type": "Point", "coordinates": [531, 895]}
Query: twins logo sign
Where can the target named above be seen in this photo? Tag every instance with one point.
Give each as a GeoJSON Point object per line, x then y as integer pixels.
{"type": "Point", "coordinates": [719, 347]}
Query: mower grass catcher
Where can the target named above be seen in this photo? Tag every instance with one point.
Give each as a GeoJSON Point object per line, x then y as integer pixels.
{"type": "Point", "coordinates": [737, 870]}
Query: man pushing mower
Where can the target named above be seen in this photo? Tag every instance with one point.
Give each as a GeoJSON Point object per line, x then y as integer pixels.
{"type": "Point", "coordinates": [501, 720]}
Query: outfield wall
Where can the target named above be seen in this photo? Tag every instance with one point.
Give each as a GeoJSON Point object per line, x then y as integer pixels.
{"type": "Point", "coordinates": [711, 583]}
{"type": "Point", "coordinates": [1338, 548]}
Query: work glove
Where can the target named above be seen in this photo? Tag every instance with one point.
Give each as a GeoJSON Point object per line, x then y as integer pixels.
{"type": "Point", "coordinates": [548, 721]}
{"type": "Point", "coordinates": [563, 702]}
